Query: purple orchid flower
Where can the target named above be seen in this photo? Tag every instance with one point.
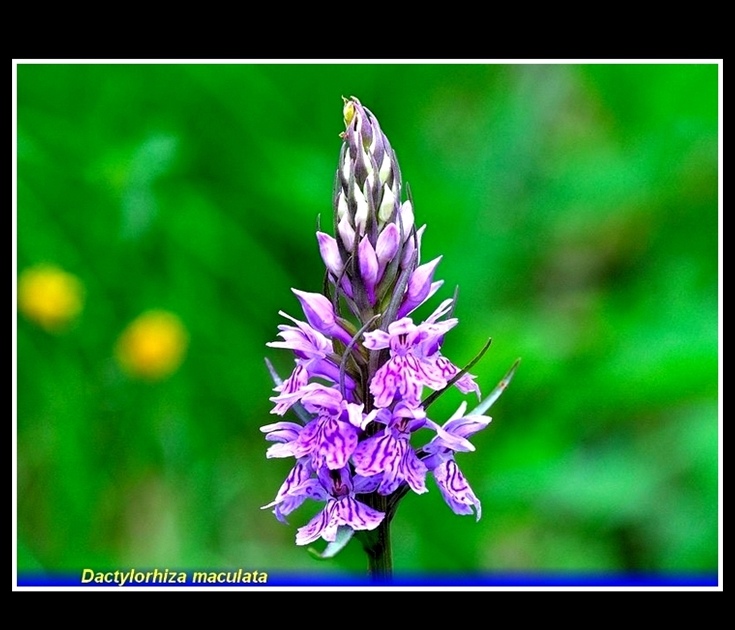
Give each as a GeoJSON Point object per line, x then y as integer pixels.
{"type": "Point", "coordinates": [285, 434]}
{"type": "Point", "coordinates": [288, 498]}
{"type": "Point", "coordinates": [390, 453]}
{"type": "Point", "coordinates": [439, 459]}
{"type": "Point", "coordinates": [306, 342]}
{"type": "Point", "coordinates": [338, 488]}
{"type": "Point", "coordinates": [314, 354]}
{"type": "Point", "coordinates": [415, 360]}
{"type": "Point", "coordinates": [290, 391]}
{"type": "Point", "coordinates": [331, 437]}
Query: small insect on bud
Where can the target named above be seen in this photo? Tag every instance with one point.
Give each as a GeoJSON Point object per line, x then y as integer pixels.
{"type": "Point", "coordinates": [348, 111]}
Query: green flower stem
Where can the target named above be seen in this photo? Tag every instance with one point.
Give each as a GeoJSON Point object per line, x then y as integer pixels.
{"type": "Point", "coordinates": [377, 546]}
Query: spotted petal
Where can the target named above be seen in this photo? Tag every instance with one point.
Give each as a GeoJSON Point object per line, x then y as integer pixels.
{"type": "Point", "coordinates": [375, 455]}
{"type": "Point", "coordinates": [314, 529]}
{"type": "Point", "coordinates": [455, 489]}
{"type": "Point", "coordinates": [357, 515]}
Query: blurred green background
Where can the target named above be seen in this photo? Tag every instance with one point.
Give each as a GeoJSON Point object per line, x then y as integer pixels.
{"type": "Point", "coordinates": [575, 206]}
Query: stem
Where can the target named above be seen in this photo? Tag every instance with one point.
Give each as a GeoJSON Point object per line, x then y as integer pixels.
{"type": "Point", "coordinates": [377, 544]}
{"type": "Point", "coordinates": [380, 556]}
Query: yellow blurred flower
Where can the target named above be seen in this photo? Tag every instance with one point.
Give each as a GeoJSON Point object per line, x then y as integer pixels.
{"type": "Point", "coordinates": [49, 296]}
{"type": "Point", "coordinates": [153, 345]}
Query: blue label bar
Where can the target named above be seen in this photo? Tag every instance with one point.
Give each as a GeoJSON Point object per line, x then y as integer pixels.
{"type": "Point", "coordinates": [250, 578]}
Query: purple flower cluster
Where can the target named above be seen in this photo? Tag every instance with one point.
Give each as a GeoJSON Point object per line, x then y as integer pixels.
{"type": "Point", "coordinates": [358, 381]}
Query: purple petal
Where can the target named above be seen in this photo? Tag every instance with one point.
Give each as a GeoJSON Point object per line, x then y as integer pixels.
{"type": "Point", "coordinates": [288, 505]}
{"type": "Point", "coordinates": [397, 376]}
{"type": "Point", "coordinates": [455, 489]}
{"type": "Point", "coordinates": [281, 431]}
{"type": "Point", "coordinates": [295, 490]}
{"type": "Point", "coordinates": [290, 390]}
{"type": "Point", "coordinates": [405, 466]}
{"type": "Point", "coordinates": [442, 309]}
{"type": "Point", "coordinates": [385, 383]}
{"type": "Point", "coordinates": [357, 515]}
{"type": "Point", "coordinates": [436, 370]}
{"type": "Point", "coordinates": [376, 340]}
{"type": "Point", "coordinates": [317, 397]}
{"type": "Point", "coordinates": [402, 327]}
{"type": "Point", "coordinates": [414, 471]}
{"type": "Point", "coordinates": [317, 309]}
{"type": "Point", "coordinates": [467, 425]}
{"type": "Point", "coordinates": [366, 485]}
{"type": "Point", "coordinates": [436, 455]}
{"type": "Point", "coordinates": [445, 439]}
{"type": "Point", "coordinates": [421, 279]}
{"type": "Point", "coordinates": [299, 483]}
{"type": "Point", "coordinates": [337, 441]}
{"type": "Point", "coordinates": [314, 528]}
{"type": "Point", "coordinates": [304, 340]}
{"type": "Point", "coordinates": [375, 455]}
{"type": "Point", "coordinates": [328, 370]}
{"type": "Point", "coordinates": [434, 335]}
{"type": "Point", "coordinates": [320, 314]}
{"type": "Point", "coordinates": [466, 384]}
{"type": "Point", "coordinates": [412, 418]}
{"type": "Point", "coordinates": [280, 450]}
{"type": "Point", "coordinates": [329, 533]}
{"type": "Point", "coordinates": [307, 441]}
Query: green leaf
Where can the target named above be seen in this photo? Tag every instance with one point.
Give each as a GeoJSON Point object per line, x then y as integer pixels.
{"type": "Point", "coordinates": [344, 534]}
{"type": "Point", "coordinates": [495, 394]}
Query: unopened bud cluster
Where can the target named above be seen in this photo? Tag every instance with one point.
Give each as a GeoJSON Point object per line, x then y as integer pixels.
{"type": "Point", "coordinates": [376, 247]}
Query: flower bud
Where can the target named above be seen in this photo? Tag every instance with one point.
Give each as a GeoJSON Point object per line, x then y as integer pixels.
{"type": "Point", "coordinates": [387, 205]}
{"type": "Point", "coordinates": [369, 267]}
{"type": "Point", "coordinates": [405, 219]}
{"type": "Point", "coordinates": [320, 314]}
{"type": "Point", "coordinates": [387, 246]}
{"type": "Point", "coordinates": [420, 287]}
{"type": "Point", "coordinates": [330, 253]}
